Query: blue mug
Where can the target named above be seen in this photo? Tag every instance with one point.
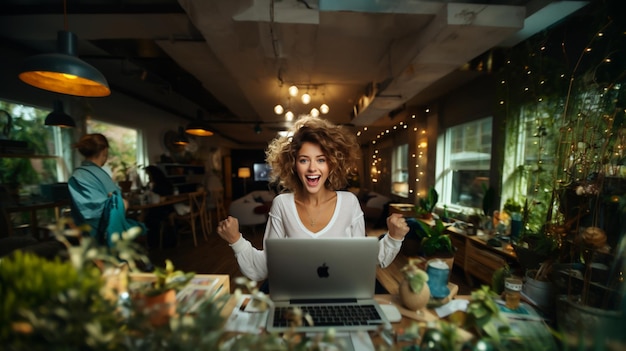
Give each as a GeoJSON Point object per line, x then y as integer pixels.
{"type": "Point", "coordinates": [438, 272]}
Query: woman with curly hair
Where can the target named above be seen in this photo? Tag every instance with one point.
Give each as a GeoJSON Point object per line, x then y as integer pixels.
{"type": "Point", "coordinates": [311, 165]}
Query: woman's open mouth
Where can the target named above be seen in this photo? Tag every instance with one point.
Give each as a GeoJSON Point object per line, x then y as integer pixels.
{"type": "Point", "coordinates": [312, 180]}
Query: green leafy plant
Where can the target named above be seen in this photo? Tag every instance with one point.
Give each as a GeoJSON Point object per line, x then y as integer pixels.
{"type": "Point", "coordinates": [427, 204]}
{"type": "Point", "coordinates": [434, 239]}
{"type": "Point", "coordinates": [483, 314]}
{"type": "Point", "coordinates": [122, 171]}
{"type": "Point", "coordinates": [511, 206]}
{"type": "Point", "coordinates": [167, 278]}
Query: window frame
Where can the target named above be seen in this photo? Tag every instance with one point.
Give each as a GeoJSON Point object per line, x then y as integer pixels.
{"type": "Point", "coordinates": [444, 166]}
{"type": "Point", "coordinates": [400, 170]}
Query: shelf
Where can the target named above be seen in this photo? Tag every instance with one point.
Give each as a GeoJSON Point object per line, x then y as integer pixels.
{"type": "Point", "coordinates": [26, 156]}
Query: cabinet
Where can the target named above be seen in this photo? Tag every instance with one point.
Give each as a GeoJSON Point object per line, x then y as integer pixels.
{"type": "Point", "coordinates": [481, 263]}
{"type": "Point", "coordinates": [476, 258]}
{"type": "Point", "coordinates": [185, 177]}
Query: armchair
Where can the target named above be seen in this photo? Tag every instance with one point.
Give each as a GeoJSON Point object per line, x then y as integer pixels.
{"type": "Point", "coordinates": [252, 208]}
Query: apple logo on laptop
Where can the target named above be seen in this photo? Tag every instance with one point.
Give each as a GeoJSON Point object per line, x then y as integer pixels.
{"type": "Point", "coordinates": [322, 271]}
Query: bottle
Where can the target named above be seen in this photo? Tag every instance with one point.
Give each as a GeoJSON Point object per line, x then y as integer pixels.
{"type": "Point", "coordinates": [512, 292]}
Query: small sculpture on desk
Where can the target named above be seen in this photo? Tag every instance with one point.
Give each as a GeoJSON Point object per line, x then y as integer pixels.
{"type": "Point", "coordinates": [414, 291]}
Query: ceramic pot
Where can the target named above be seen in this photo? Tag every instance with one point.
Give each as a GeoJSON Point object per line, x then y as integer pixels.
{"type": "Point", "coordinates": [160, 307]}
{"type": "Point", "coordinates": [411, 300]}
{"type": "Point", "coordinates": [125, 185]}
{"type": "Point", "coordinates": [438, 276]}
{"type": "Point", "coordinates": [541, 293]}
{"type": "Point", "coordinates": [584, 325]}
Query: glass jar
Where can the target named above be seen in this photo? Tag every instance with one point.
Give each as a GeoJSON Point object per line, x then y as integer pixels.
{"type": "Point", "coordinates": [512, 292]}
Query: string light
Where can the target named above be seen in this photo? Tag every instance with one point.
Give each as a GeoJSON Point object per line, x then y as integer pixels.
{"type": "Point", "coordinates": [417, 186]}
{"type": "Point", "coordinates": [293, 91]}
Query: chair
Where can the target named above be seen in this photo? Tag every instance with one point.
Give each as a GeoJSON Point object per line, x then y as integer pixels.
{"type": "Point", "coordinates": [196, 215]}
{"type": "Point", "coordinates": [215, 204]}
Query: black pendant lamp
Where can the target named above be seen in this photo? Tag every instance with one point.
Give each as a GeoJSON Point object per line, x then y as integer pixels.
{"type": "Point", "coordinates": [199, 126]}
{"type": "Point", "coordinates": [180, 138]}
{"type": "Point", "coordinates": [63, 72]}
{"type": "Point", "coordinates": [59, 118]}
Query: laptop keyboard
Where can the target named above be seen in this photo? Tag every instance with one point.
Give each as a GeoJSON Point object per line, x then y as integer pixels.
{"type": "Point", "coordinates": [331, 315]}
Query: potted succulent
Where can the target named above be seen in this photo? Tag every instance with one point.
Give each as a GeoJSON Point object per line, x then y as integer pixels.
{"type": "Point", "coordinates": [414, 292]}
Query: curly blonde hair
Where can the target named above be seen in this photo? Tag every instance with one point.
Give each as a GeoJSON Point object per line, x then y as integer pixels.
{"type": "Point", "coordinates": [337, 143]}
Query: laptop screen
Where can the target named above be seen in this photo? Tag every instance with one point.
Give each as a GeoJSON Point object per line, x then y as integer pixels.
{"type": "Point", "coordinates": [332, 268]}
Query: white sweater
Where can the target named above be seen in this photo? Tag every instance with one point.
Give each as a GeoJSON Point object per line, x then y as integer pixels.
{"type": "Point", "coordinates": [284, 222]}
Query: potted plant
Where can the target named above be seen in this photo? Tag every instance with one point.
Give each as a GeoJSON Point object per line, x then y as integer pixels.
{"type": "Point", "coordinates": [158, 297]}
{"type": "Point", "coordinates": [435, 242]}
{"type": "Point", "coordinates": [414, 292]}
{"type": "Point", "coordinates": [426, 205]}
{"type": "Point", "coordinates": [123, 172]}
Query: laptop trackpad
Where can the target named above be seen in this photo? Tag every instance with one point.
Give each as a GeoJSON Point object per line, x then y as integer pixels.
{"type": "Point", "coordinates": [352, 341]}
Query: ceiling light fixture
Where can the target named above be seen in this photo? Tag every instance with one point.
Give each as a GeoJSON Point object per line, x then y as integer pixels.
{"type": "Point", "coordinates": [63, 72]}
{"type": "Point", "coordinates": [180, 138]}
{"type": "Point", "coordinates": [199, 127]}
{"type": "Point", "coordinates": [59, 118]}
{"type": "Point", "coordinates": [291, 109]}
{"type": "Point", "coordinates": [315, 112]}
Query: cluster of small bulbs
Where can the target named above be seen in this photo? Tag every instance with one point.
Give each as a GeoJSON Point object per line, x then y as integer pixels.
{"type": "Point", "coordinates": [419, 157]}
{"type": "Point", "coordinates": [306, 99]}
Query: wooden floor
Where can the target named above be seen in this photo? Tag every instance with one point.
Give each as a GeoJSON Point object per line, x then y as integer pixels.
{"type": "Point", "coordinates": [214, 256]}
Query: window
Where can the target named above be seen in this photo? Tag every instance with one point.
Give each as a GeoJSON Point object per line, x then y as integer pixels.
{"type": "Point", "coordinates": [125, 148]}
{"type": "Point", "coordinates": [400, 171]}
{"type": "Point", "coordinates": [464, 158]}
{"type": "Point", "coordinates": [40, 158]}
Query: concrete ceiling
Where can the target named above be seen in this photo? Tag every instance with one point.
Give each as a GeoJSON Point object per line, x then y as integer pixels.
{"type": "Point", "coordinates": [235, 59]}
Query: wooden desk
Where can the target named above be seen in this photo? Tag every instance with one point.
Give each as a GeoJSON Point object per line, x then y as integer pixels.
{"type": "Point", "coordinates": [476, 257]}
{"type": "Point", "coordinates": [409, 318]}
{"type": "Point", "coordinates": [32, 206]}
{"type": "Point", "coordinates": [141, 209]}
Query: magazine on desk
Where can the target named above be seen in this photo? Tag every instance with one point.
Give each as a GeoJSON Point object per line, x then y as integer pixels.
{"type": "Point", "coordinates": [197, 291]}
{"type": "Point", "coordinates": [247, 317]}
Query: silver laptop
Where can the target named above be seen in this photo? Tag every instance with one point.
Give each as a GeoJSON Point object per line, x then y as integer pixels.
{"type": "Point", "coordinates": [318, 274]}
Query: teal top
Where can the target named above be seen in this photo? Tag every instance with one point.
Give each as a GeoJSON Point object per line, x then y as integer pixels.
{"type": "Point", "coordinates": [92, 191]}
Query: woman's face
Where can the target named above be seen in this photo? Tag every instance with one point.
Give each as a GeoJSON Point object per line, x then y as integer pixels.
{"type": "Point", "coordinates": [311, 167]}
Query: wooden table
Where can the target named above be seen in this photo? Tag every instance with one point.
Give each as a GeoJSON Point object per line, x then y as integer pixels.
{"type": "Point", "coordinates": [140, 209]}
{"type": "Point", "coordinates": [409, 318]}
{"type": "Point", "coordinates": [32, 206]}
